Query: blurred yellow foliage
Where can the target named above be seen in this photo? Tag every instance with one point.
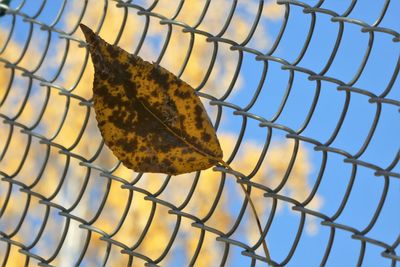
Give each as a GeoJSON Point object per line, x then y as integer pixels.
{"type": "Point", "coordinates": [178, 188]}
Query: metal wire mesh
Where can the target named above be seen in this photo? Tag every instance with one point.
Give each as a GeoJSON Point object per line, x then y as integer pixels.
{"type": "Point", "coordinates": [14, 182]}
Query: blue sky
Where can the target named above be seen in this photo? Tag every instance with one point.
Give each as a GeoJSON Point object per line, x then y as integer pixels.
{"type": "Point", "coordinates": [382, 149]}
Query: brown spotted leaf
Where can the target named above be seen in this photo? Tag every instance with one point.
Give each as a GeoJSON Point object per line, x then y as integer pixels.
{"type": "Point", "coordinates": [151, 120]}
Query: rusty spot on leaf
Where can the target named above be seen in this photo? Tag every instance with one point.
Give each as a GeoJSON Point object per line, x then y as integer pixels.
{"type": "Point", "coordinates": [150, 119]}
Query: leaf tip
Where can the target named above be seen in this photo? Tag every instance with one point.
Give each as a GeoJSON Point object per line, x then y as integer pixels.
{"type": "Point", "coordinates": [89, 34]}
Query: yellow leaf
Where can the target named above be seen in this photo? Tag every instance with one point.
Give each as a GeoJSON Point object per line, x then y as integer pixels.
{"type": "Point", "coordinates": [151, 120]}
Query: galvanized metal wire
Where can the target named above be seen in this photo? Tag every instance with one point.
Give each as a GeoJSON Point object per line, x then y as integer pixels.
{"type": "Point", "coordinates": [325, 148]}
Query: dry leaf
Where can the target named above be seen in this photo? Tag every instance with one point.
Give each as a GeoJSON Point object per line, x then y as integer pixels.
{"type": "Point", "coordinates": [151, 120]}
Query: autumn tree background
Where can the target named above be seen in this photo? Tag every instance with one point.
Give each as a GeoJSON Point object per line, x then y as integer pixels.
{"type": "Point", "coordinates": [305, 102]}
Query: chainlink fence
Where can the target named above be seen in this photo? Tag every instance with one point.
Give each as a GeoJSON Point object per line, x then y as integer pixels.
{"type": "Point", "coordinates": [305, 100]}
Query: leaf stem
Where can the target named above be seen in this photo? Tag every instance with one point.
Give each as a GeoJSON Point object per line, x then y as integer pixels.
{"type": "Point", "coordinates": [253, 208]}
